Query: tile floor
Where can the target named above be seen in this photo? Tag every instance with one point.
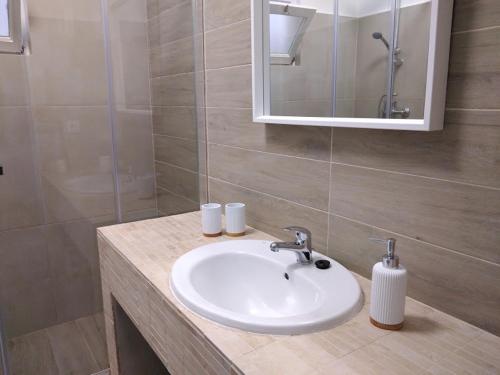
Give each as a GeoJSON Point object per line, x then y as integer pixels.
{"type": "Point", "coordinates": [77, 347]}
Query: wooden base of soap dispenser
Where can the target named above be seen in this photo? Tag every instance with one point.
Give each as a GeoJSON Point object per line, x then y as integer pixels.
{"type": "Point", "coordinates": [390, 327]}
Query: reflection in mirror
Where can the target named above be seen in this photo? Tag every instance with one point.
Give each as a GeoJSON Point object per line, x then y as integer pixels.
{"type": "Point", "coordinates": [4, 18]}
{"type": "Point", "coordinates": [383, 50]}
{"type": "Point", "coordinates": [301, 82]}
{"type": "Point", "coordinates": [375, 52]}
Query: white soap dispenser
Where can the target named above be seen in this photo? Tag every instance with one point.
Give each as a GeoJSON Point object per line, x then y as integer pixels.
{"type": "Point", "coordinates": [389, 278]}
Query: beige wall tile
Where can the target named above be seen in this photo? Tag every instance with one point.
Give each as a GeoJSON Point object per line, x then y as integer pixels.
{"type": "Point", "coordinates": [21, 203]}
{"type": "Point", "coordinates": [75, 296]}
{"type": "Point", "coordinates": [135, 159]}
{"type": "Point", "coordinates": [234, 127]}
{"type": "Point", "coordinates": [474, 75]}
{"type": "Point", "coordinates": [432, 271]}
{"type": "Point", "coordinates": [467, 153]}
{"type": "Point", "coordinates": [176, 90]}
{"type": "Point", "coordinates": [69, 10]}
{"type": "Point", "coordinates": [74, 152]}
{"type": "Point", "coordinates": [464, 116]}
{"type": "Point", "coordinates": [224, 12]}
{"type": "Point", "coordinates": [155, 7]}
{"type": "Point", "coordinates": [177, 180]}
{"type": "Point", "coordinates": [229, 87]}
{"type": "Point", "coordinates": [14, 88]}
{"type": "Point", "coordinates": [464, 218]}
{"type": "Point", "coordinates": [172, 58]}
{"type": "Point", "coordinates": [298, 180]}
{"type": "Point", "coordinates": [24, 256]}
{"type": "Point", "coordinates": [172, 24]}
{"type": "Point", "coordinates": [271, 214]}
{"type": "Point", "coordinates": [469, 15]}
{"type": "Point", "coordinates": [175, 121]}
{"type": "Point", "coordinates": [228, 46]}
{"type": "Point", "coordinates": [72, 248]}
{"type": "Point", "coordinates": [128, 34]}
{"type": "Point", "coordinates": [173, 204]}
{"type": "Point", "coordinates": [76, 74]}
{"type": "Point", "coordinates": [176, 151]}
{"type": "Point", "coordinates": [27, 307]}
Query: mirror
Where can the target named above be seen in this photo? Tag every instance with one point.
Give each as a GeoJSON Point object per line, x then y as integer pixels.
{"type": "Point", "coordinates": [352, 63]}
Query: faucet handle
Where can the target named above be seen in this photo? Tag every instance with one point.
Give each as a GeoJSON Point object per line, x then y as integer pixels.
{"type": "Point", "coordinates": [298, 229]}
{"type": "Point", "coordinates": [302, 234]}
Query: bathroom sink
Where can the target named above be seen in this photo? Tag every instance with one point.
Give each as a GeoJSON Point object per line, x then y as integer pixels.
{"type": "Point", "coordinates": [243, 284]}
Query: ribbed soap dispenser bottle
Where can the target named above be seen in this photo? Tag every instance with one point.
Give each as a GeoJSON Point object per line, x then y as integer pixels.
{"type": "Point", "coordinates": [389, 278]}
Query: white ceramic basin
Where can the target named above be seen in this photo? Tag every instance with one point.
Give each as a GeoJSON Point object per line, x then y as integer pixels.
{"type": "Point", "coordinates": [242, 284]}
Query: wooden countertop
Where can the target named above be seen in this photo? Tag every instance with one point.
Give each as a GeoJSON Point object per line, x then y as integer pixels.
{"type": "Point", "coordinates": [431, 341]}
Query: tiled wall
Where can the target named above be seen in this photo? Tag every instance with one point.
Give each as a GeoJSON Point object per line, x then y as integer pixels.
{"type": "Point", "coordinates": [172, 61]}
{"type": "Point", "coordinates": [55, 146]}
{"type": "Point", "coordinates": [437, 193]}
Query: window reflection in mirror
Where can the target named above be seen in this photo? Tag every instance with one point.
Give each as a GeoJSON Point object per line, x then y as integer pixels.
{"type": "Point", "coordinates": [4, 18]}
{"type": "Point", "coordinates": [375, 52]}
{"type": "Point", "coordinates": [302, 84]}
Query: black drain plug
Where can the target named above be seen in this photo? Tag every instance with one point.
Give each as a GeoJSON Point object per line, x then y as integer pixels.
{"type": "Point", "coordinates": [322, 264]}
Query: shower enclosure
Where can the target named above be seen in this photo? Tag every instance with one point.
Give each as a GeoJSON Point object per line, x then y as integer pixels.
{"type": "Point", "coordinates": [98, 125]}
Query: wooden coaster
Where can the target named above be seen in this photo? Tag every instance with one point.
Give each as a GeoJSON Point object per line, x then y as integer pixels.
{"type": "Point", "coordinates": [390, 327]}
{"type": "Point", "coordinates": [213, 234]}
{"type": "Point", "coordinates": [235, 234]}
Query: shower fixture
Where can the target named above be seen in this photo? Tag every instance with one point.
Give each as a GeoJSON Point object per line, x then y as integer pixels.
{"type": "Point", "coordinates": [394, 109]}
{"type": "Point", "coordinates": [397, 60]}
{"type": "Point", "coordinates": [378, 35]}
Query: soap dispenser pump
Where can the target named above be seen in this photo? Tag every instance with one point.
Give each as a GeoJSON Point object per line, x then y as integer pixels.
{"type": "Point", "coordinates": [389, 279]}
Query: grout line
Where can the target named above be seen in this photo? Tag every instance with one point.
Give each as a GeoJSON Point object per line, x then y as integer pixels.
{"type": "Point", "coordinates": [150, 101]}
{"type": "Point", "coordinates": [473, 109]}
{"type": "Point", "coordinates": [417, 240]}
{"type": "Point", "coordinates": [162, 12]}
{"type": "Point", "coordinates": [170, 75]}
{"type": "Point", "coordinates": [487, 28]}
{"type": "Point", "coordinates": [173, 75]}
{"type": "Point", "coordinates": [182, 39]}
{"type": "Point", "coordinates": [176, 194]}
{"type": "Point", "coordinates": [174, 106]}
{"type": "Point", "coordinates": [176, 166]}
{"type": "Point", "coordinates": [205, 118]}
{"type": "Point", "coordinates": [227, 26]}
{"type": "Point", "coordinates": [329, 193]}
{"type": "Point", "coordinates": [229, 67]}
{"type": "Point", "coordinates": [267, 194]}
{"type": "Point", "coordinates": [175, 137]}
{"type": "Point", "coordinates": [237, 108]}
{"type": "Point", "coordinates": [268, 153]}
{"type": "Point", "coordinates": [419, 176]}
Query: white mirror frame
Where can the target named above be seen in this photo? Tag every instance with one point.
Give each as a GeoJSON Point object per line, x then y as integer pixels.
{"type": "Point", "coordinates": [435, 94]}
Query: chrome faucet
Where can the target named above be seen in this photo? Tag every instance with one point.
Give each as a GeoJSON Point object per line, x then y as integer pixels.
{"type": "Point", "coordinates": [302, 245]}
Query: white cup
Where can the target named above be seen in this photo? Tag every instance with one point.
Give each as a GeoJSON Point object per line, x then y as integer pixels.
{"type": "Point", "coordinates": [211, 219]}
{"type": "Point", "coordinates": [235, 219]}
